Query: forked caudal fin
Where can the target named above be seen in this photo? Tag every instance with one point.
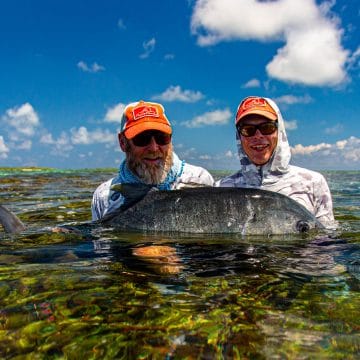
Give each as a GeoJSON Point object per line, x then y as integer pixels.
{"type": "Point", "coordinates": [11, 223]}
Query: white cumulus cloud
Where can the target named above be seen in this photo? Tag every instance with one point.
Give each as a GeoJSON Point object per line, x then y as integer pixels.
{"type": "Point", "coordinates": [292, 99]}
{"type": "Point", "coordinates": [175, 93]}
{"type": "Point", "coordinates": [350, 148]}
{"type": "Point", "coordinates": [307, 150]}
{"type": "Point", "coordinates": [25, 145]}
{"type": "Point", "coordinates": [336, 129]}
{"type": "Point", "coordinates": [205, 157]}
{"type": "Point", "coordinates": [229, 154]}
{"type": "Point", "coordinates": [115, 113]}
{"type": "Point", "coordinates": [149, 47]}
{"type": "Point", "coordinates": [312, 54]}
{"type": "Point", "coordinates": [344, 154]}
{"type": "Point", "coordinates": [21, 123]}
{"type": "Point", "coordinates": [82, 136]}
{"type": "Point", "coordinates": [354, 60]}
{"type": "Point", "coordinates": [169, 56]}
{"type": "Point", "coordinates": [253, 83]}
{"type": "Point", "coordinates": [93, 68]}
{"type": "Point", "coordinates": [216, 117]}
{"type": "Point", "coordinates": [59, 146]}
{"type": "Point", "coordinates": [290, 125]}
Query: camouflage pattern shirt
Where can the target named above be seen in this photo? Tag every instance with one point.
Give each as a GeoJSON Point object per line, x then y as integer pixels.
{"type": "Point", "coordinates": [309, 188]}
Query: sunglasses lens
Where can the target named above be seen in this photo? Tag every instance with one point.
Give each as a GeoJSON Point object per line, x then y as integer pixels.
{"type": "Point", "coordinates": [144, 138]}
{"type": "Point", "coordinates": [247, 130]}
{"type": "Point", "coordinates": [141, 140]}
{"type": "Point", "coordinates": [267, 128]}
{"type": "Point", "coordinates": [250, 130]}
{"type": "Point", "coordinates": [162, 138]}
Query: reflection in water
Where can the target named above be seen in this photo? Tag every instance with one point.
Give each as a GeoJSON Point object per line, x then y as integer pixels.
{"type": "Point", "coordinates": [163, 259]}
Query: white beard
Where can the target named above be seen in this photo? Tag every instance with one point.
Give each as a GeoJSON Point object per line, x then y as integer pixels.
{"type": "Point", "coordinates": [151, 174]}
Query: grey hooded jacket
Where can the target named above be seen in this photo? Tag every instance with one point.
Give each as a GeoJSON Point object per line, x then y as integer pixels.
{"type": "Point", "coordinates": [309, 188]}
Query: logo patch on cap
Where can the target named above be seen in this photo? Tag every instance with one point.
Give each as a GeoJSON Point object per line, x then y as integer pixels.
{"type": "Point", "coordinates": [253, 102]}
{"type": "Point", "coordinates": [144, 111]}
{"type": "Point", "coordinates": [255, 105]}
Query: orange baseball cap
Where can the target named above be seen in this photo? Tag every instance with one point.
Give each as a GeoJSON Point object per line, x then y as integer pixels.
{"type": "Point", "coordinates": [255, 105]}
{"type": "Point", "coordinates": [141, 116]}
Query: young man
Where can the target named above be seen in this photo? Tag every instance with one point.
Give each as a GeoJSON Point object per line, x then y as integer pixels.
{"type": "Point", "coordinates": [145, 138]}
{"type": "Point", "coordinates": [264, 154]}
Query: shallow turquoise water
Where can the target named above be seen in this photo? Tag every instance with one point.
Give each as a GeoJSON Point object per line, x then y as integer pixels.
{"type": "Point", "coordinates": [102, 296]}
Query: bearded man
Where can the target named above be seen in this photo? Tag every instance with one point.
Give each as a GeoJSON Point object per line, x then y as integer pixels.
{"type": "Point", "coordinates": [146, 139]}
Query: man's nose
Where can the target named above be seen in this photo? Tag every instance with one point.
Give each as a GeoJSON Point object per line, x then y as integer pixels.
{"type": "Point", "coordinates": [153, 144]}
{"type": "Point", "coordinates": [258, 133]}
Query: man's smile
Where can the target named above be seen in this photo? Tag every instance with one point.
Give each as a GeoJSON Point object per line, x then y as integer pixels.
{"type": "Point", "coordinates": [259, 147]}
{"type": "Point", "coordinates": [153, 159]}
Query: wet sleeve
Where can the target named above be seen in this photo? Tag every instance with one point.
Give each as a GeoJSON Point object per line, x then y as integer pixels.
{"type": "Point", "coordinates": [323, 204]}
{"type": "Point", "coordinates": [101, 200]}
{"type": "Point", "coordinates": [97, 206]}
{"type": "Point", "coordinates": [105, 201]}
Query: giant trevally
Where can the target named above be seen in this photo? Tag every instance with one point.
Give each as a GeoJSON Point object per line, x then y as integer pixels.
{"type": "Point", "coordinates": [210, 210]}
{"type": "Point", "coordinates": [197, 210]}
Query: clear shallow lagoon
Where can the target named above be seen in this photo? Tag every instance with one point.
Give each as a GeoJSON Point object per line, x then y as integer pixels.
{"type": "Point", "coordinates": [137, 296]}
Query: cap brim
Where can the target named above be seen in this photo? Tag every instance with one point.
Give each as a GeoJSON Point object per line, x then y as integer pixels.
{"type": "Point", "coordinates": [266, 114]}
{"type": "Point", "coordinates": [146, 125]}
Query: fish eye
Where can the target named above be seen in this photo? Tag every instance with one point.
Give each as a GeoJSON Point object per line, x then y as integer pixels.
{"type": "Point", "coordinates": [302, 226]}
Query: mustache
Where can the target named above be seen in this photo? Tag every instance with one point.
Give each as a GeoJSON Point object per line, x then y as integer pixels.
{"type": "Point", "coordinates": [153, 155]}
{"type": "Point", "coordinates": [151, 173]}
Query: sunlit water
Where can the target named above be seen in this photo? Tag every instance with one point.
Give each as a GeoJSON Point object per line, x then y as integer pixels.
{"type": "Point", "coordinates": [109, 295]}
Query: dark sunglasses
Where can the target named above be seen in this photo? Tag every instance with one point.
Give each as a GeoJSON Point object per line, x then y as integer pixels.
{"type": "Point", "coordinates": [266, 128]}
{"type": "Point", "coordinates": [144, 138]}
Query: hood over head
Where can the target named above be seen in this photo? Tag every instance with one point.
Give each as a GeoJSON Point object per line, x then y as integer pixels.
{"type": "Point", "coordinates": [279, 162]}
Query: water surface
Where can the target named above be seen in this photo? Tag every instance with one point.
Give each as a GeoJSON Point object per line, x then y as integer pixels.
{"type": "Point", "coordinates": [110, 295]}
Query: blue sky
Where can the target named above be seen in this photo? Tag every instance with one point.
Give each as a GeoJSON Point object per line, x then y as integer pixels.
{"type": "Point", "coordinates": [69, 67]}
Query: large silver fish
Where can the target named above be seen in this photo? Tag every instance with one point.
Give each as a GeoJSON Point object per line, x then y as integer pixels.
{"type": "Point", "coordinates": [197, 210]}
{"type": "Point", "coordinates": [210, 210]}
